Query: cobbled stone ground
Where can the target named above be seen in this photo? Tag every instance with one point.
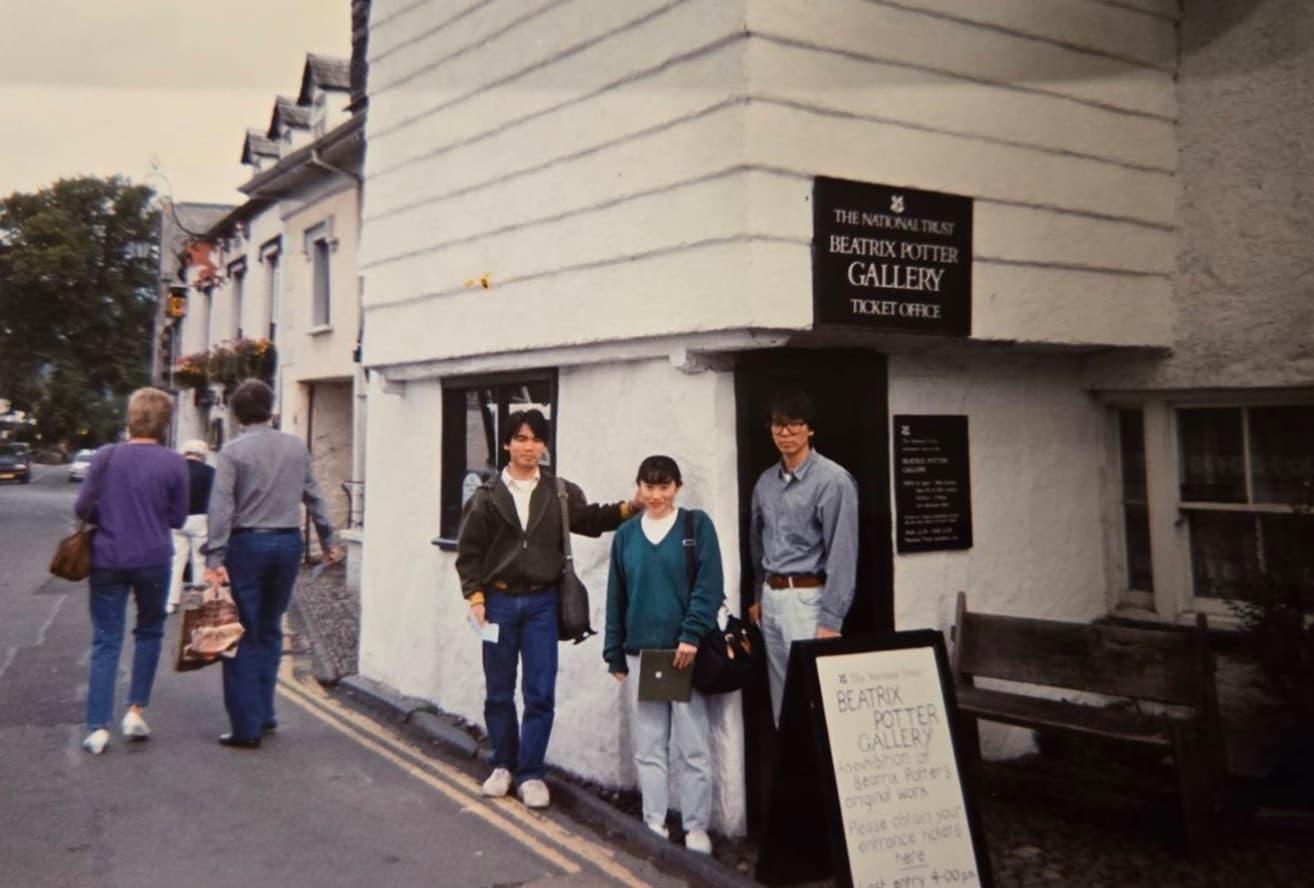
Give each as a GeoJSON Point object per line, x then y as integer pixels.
{"type": "Point", "coordinates": [329, 614]}
{"type": "Point", "coordinates": [1044, 824]}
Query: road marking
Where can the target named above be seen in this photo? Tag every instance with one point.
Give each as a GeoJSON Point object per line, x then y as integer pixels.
{"type": "Point", "coordinates": [455, 794]}
{"type": "Point", "coordinates": [506, 814]}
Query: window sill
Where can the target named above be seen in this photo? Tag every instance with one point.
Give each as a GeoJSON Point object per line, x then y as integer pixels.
{"type": "Point", "coordinates": [321, 329]}
{"type": "Point", "coordinates": [444, 543]}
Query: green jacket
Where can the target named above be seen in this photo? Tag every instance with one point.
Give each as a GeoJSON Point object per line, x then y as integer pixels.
{"type": "Point", "coordinates": [493, 553]}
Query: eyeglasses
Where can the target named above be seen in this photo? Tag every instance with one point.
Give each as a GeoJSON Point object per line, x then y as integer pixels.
{"type": "Point", "coordinates": [791, 425]}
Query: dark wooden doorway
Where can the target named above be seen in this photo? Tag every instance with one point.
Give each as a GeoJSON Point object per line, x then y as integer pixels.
{"type": "Point", "coordinates": [848, 389]}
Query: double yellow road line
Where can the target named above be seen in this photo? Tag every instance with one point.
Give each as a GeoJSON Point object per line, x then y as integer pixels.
{"type": "Point", "coordinates": [542, 835]}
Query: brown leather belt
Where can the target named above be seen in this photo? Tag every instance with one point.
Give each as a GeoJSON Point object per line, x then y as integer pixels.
{"type": "Point", "coordinates": [795, 581]}
{"type": "Point", "coordinates": [500, 586]}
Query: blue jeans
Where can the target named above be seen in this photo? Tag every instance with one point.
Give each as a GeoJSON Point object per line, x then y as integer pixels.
{"type": "Point", "coordinates": [109, 605]}
{"type": "Point", "coordinates": [262, 568]}
{"type": "Point", "coordinates": [527, 634]}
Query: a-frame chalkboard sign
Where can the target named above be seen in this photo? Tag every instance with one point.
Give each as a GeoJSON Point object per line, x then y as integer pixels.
{"type": "Point", "coordinates": [870, 784]}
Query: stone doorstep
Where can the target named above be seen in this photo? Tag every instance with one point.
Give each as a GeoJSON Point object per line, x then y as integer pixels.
{"type": "Point", "coordinates": [577, 801]}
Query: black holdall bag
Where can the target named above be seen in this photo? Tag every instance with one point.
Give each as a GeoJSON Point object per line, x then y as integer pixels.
{"type": "Point", "coordinates": [572, 597]}
{"type": "Point", "coordinates": [727, 654]}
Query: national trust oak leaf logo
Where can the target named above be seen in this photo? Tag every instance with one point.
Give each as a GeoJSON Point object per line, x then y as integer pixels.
{"type": "Point", "coordinates": [896, 203]}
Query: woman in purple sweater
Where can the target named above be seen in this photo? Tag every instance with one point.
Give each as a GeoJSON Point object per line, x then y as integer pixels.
{"type": "Point", "coordinates": [135, 494]}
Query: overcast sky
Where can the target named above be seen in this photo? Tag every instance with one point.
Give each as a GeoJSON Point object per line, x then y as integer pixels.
{"type": "Point", "coordinates": [99, 87]}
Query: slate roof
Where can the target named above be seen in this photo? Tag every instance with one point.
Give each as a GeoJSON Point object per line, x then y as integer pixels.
{"type": "Point", "coordinates": [289, 114]}
{"type": "Point", "coordinates": [257, 145]}
{"type": "Point", "coordinates": [324, 72]}
{"type": "Point", "coordinates": [197, 217]}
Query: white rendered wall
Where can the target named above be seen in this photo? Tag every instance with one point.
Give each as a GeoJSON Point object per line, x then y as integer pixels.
{"type": "Point", "coordinates": [1038, 462]}
{"type": "Point", "coordinates": [414, 634]}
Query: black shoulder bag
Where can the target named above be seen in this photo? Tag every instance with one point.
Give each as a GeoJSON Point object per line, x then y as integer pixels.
{"type": "Point", "coordinates": [572, 597]}
{"type": "Point", "coordinates": [725, 660]}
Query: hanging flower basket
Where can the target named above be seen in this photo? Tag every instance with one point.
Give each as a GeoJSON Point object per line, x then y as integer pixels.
{"type": "Point", "coordinates": [232, 361]}
{"type": "Point", "coordinates": [191, 371]}
{"type": "Point", "coordinates": [255, 359]}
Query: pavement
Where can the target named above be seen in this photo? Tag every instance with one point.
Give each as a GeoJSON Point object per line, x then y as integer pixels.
{"type": "Point", "coordinates": [1084, 817]}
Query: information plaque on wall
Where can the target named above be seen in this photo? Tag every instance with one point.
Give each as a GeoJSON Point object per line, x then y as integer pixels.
{"type": "Point", "coordinates": [870, 769]}
{"type": "Point", "coordinates": [932, 483]}
{"type": "Point", "coordinates": [891, 258]}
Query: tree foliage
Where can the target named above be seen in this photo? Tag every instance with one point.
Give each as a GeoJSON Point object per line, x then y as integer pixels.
{"type": "Point", "coordinates": [77, 299]}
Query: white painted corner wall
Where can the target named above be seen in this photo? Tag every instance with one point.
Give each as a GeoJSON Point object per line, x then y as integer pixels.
{"type": "Point", "coordinates": [414, 634]}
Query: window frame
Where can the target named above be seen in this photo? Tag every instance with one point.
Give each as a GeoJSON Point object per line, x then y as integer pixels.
{"type": "Point", "coordinates": [1174, 598]}
{"type": "Point", "coordinates": [237, 292]}
{"type": "Point", "coordinates": [453, 440]}
{"type": "Point", "coordinates": [271, 255]}
{"type": "Point", "coordinates": [319, 240]}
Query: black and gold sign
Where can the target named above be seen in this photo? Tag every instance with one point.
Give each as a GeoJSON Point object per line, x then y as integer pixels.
{"type": "Point", "coordinates": [891, 258]}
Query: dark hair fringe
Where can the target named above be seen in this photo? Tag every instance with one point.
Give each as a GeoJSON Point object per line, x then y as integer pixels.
{"type": "Point", "coordinates": [658, 469]}
{"type": "Point", "coordinates": [533, 418]}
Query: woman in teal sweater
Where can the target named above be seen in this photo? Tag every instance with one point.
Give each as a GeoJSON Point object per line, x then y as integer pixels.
{"type": "Point", "coordinates": [651, 604]}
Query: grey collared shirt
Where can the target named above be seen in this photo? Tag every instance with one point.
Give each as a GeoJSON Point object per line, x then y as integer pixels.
{"type": "Point", "coordinates": [262, 479]}
{"type": "Point", "coordinates": [806, 522]}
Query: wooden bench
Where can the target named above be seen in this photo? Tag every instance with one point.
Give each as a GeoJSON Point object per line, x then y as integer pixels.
{"type": "Point", "coordinates": [1169, 665]}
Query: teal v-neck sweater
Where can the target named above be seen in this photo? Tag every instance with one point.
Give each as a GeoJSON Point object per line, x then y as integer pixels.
{"type": "Point", "coordinates": [649, 601]}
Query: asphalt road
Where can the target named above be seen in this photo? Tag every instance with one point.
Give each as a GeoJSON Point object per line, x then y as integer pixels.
{"type": "Point", "coordinates": [332, 799]}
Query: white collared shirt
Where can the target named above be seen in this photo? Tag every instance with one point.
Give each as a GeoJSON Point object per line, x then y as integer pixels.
{"type": "Point", "coordinates": [521, 491]}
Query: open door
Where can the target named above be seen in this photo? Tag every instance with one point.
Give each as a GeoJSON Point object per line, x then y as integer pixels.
{"type": "Point", "coordinates": [848, 390]}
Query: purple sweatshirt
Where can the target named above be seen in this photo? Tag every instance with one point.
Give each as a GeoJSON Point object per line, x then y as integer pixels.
{"type": "Point", "coordinates": [140, 492]}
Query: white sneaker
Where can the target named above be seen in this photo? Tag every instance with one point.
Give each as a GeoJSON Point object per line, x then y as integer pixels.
{"type": "Point", "coordinates": [135, 727]}
{"type": "Point", "coordinates": [96, 741]}
{"type": "Point", "coordinates": [498, 783]}
{"type": "Point", "coordinates": [659, 828]}
{"type": "Point", "coordinates": [534, 793]}
{"type": "Point", "coordinates": [697, 841]}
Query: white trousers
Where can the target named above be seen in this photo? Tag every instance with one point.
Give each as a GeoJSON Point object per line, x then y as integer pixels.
{"type": "Point", "coordinates": [788, 615]}
{"type": "Point", "coordinates": [661, 729]}
{"type": "Point", "coordinates": [187, 543]}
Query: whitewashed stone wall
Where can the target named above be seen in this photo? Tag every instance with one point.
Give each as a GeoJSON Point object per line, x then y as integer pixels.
{"type": "Point", "coordinates": [1245, 279]}
{"type": "Point", "coordinates": [1037, 465]}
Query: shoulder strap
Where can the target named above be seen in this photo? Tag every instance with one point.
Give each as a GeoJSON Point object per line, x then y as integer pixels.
{"type": "Point", "coordinates": [691, 565]}
{"type": "Point", "coordinates": [563, 497]}
{"type": "Point", "coordinates": [93, 479]}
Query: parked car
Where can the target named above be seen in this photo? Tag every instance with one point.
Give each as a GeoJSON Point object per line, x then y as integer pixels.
{"type": "Point", "coordinates": [15, 463]}
{"type": "Point", "coordinates": [77, 470]}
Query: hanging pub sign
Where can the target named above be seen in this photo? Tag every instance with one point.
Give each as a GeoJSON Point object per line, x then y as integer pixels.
{"type": "Point", "coordinates": [932, 483]}
{"type": "Point", "coordinates": [891, 258]}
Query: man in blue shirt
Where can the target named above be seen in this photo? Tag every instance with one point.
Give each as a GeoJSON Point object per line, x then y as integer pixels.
{"type": "Point", "coordinates": [803, 538]}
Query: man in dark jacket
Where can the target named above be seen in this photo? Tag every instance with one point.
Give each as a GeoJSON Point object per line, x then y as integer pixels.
{"type": "Point", "coordinates": [510, 561]}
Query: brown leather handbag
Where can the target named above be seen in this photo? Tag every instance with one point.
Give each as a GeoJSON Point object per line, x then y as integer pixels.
{"type": "Point", "coordinates": [72, 560]}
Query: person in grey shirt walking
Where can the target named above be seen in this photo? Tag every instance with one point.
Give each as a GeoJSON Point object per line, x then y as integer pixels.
{"type": "Point", "coordinates": [803, 537]}
{"type": "Point", "coordinates": [260, 484]}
